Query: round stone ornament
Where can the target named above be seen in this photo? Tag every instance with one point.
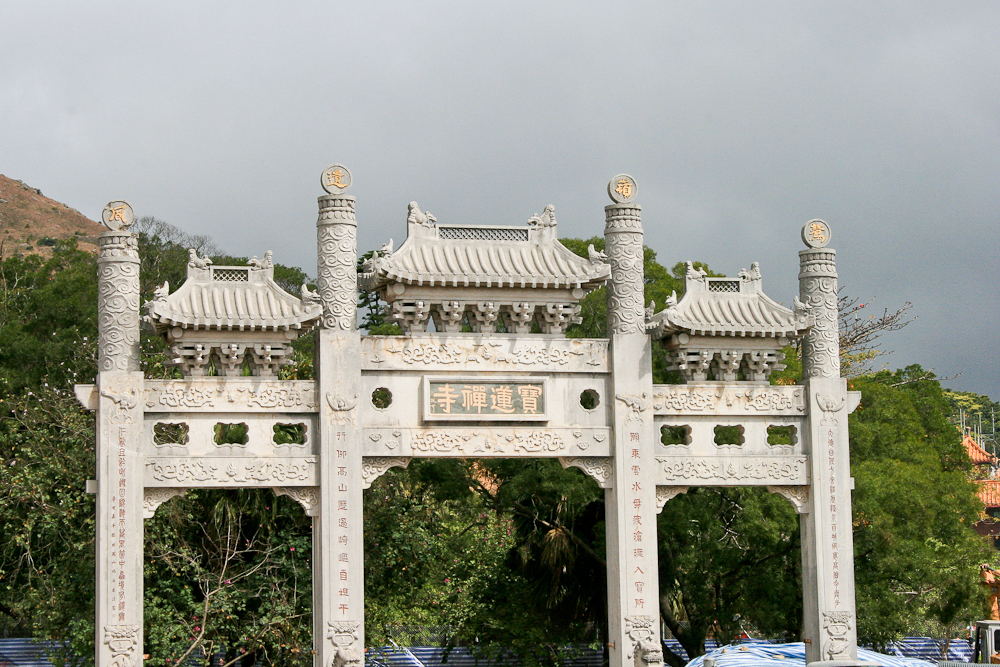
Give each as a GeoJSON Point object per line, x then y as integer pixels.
{"type": "Point", "coordinates": [621, 189]}
{"type": "Point", "coordinates": [336, 179]}
{"type": "Point", "coordinates": [816, 234]}
{"type": "Point", "coordinates": [118, 215]}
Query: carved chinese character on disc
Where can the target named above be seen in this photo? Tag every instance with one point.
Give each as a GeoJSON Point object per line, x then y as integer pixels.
{"type": "Point", "coordinates": [816, 234]}
{"type": "Point", "coordinates": [621, 189]}
{"type": "Point", "coordinates": [118, 215]}
{"type": "Point", "coordinates": [336, 179]}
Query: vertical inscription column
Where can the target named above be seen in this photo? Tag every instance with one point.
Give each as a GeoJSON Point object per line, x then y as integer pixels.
{"type": "Point", "coordinates": [630, 505]}
{"type": "Point", "coordinates": [119, 464]}
{"type": "Point", "coordinates": [338, 560]}
{"type": "Point", "coordinates": [829, 618]}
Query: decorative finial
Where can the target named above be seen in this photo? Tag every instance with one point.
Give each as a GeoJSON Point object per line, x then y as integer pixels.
{"type": "Point", "coordinates": [621, 189]}
{"type": "Point", "coordinates": [816, 234]}
{"type": "Point", "coordinates": [336, 179]}
{"type": "Point", "coordinates": [118, 215]}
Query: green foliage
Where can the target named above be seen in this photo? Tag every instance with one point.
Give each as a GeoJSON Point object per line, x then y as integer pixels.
{"type": "Point", "coordinates": [728, 561]}
{"type": "Point", "coordinates": [373, 318]}
{"type": "Point", "coordinates": [916, 553]}
{"type": "Point", "coordinates": [48, 320]}
{"type": "Point", "coordinates": [47, 521]}
{"type": "Point", "coordinates": [229, 571]}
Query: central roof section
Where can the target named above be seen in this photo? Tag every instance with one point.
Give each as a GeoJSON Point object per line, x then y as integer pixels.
{"type": "Point", "coordinates": [483, 276]}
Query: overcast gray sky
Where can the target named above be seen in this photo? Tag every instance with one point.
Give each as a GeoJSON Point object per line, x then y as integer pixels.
{"type": "Point", "coordinates": [740, 121]}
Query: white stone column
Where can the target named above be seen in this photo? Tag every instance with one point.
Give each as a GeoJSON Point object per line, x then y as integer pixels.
{"type": "Point", "coordinates": [829, 614]}
{"type": "Point", "coordinates": [338, 533]}
{"type": "Point", "coordinates": [119, 463]}
{"type": "Point", "coordinates": [630, 505]}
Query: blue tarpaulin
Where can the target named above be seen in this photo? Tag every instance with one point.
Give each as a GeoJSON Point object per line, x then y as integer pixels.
{"type": "Point", "coordinates": [761, 654]}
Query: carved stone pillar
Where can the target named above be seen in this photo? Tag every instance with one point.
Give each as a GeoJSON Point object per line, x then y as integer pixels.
{"type": "Point", "coordinates": [119, 463]}
{"type": "Point", "coordinates": [631, 507]}
{"type": "Point", "coordinates": [338, 554]}
{"type": "Point", "coordinates": [818, 291]}
{"type": "Point", "coordinates": [829, 613]}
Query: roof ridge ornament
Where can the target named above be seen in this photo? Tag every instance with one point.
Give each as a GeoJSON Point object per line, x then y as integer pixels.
{"type": "Point", "coordinates": [414, 216]}
{"type": "Point", "coordinates": [546, 219]}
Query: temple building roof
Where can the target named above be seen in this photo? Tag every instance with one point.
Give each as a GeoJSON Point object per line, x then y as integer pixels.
{"type": "Point", "coordinates": [976, 453]}
{"type": "Point", "coordinates": [728, 307]}
{"type": "Point", "coordinates": [231, 298]}
{"type": "Point", "coordinates": [482, 256]}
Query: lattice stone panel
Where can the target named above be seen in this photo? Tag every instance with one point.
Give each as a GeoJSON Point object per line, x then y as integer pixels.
{"type": "Point", "coordinates": [231, 275]}
{"type": "Point", "coordinates": [724, 286]}
{"type": "Point", "coordinates": [482, 233]}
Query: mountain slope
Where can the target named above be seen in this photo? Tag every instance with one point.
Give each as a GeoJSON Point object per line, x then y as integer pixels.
{"type": "Point", "coordinates": [31, 223]}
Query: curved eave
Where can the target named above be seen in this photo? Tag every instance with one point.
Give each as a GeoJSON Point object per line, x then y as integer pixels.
{"type": "Point", "coordinates": [232, 307]}
{"type": "Point", "coordinates": [451, 264]}
{"type": "Point", "coordinates": [742, 316]}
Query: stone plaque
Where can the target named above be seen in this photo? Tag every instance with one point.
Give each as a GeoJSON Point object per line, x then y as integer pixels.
{"type": "Point", "coordinates": [816, 234]}
{"type": "Point", "coordinates": [118, 215]}
{"type": "Point", "coordinates": [622, 189]}
{"type": "Point", "coordinates": [485, 399]}
{"type": "Point", "coordinates": [336, 179]}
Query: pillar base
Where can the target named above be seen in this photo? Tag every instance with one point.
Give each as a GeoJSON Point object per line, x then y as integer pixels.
{"type": "Point", "coordinates": [843, 663]}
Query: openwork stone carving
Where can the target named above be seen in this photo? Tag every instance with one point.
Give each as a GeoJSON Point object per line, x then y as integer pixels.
{"type": "Point", "coordinates": [122, 640]}
{"type": "Point", "coordinates": [667, 493]}
{"type": "Point", "coordinates": [373, 467]}
{"type": "Point", "coordinates": [596, 467]}
{"type": "Point", "coordinates": [796, 495]}
{"type": "Point", "coordinates": [307, 496]}
{"type": "Point", "coordinates": [153, 497]}
{"type": "Point", "coordinates": [337, 262]}
{"type": "Point", "coordinates": [118, 302]}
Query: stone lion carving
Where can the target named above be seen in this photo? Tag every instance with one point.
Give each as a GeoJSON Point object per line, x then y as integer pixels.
{"type": "Point", "coordinates": [648, 652]}
{"type": "Point", "coordinates": [347, 656]}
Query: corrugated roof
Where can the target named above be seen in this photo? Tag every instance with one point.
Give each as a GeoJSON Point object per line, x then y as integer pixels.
{"type": "Point", "coordinates": [976, 453]}
{"type": "Point", "coordinates": [484, 256]}
{"type": "Point", "coordinates": [231, 297]}
{"type": "Point", "coordinates": [989, 492]}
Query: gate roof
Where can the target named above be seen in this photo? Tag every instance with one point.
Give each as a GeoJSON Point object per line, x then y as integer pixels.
{"type": "Point", "coordinates": [483, 256]}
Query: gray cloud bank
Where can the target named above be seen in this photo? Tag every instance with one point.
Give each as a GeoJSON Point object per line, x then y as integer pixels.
{"type": "Point", "coordinates": [740, 121]}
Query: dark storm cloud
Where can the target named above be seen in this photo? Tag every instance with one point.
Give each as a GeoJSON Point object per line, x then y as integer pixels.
{"type": "Point", "coordinates": [740, 121]}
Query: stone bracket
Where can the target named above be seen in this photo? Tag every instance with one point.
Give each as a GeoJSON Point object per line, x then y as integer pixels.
{"type": "Point", "coordinates": [796, 495]}
{"type": "Point", "coordinates": [596, 467]}
{"type": "Point", "coordinates": [373, 467]}
{"type": "Point", "coordinates": [153, 497]}
{"type": "Point", "coordinates": [667, 493]}
{"type": "Point", "coordinates": [307, 496]}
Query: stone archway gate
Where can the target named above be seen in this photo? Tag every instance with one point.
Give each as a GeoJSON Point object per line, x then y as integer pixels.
{"type": "Point", "coordinates": [590, 403]}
